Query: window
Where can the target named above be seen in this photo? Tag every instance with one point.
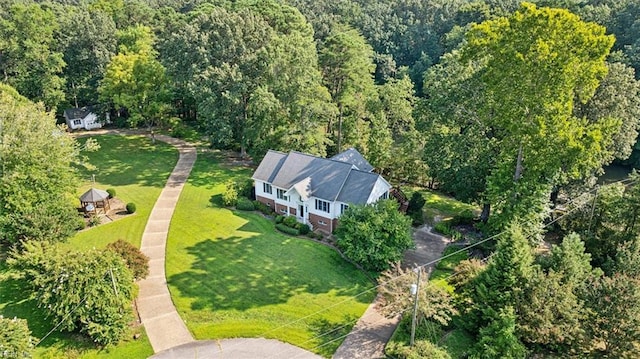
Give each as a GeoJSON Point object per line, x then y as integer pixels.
{"type": "Point", "coordinates": [266, 188]}
{"type": "Point", "coordinates": [322, 223]}
{"type": "Point", "coordinates": [323, 206]}
{"type": "Point", "coordinates": [283, 210]}
{"type": "Point", "coordinates": [280, 193]}
{"type": "Point", "coordinates": [343, 207]}
{"type": "Point", "coordinates": [77, 122]}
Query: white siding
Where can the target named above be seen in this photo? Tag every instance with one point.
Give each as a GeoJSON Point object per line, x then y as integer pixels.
{"type": "Point", "coordinates": [379, 189]}
{"type": "Point", "coordinates": [334, 208]}
{"type": "Point", "coordinates": [91, 122]}
{"type": "Point", "coordinates": [259, 185]}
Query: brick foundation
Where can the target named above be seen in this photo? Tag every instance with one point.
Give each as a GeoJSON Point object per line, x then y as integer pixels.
{"type": "Point", "coordinates": [268, 201]}
{"type": "Point", "coordinates": [280, 208]}
{"type": "Point", "coordinates": [292, 211]}
{"type": "Point", "coordinates": [314, 219]}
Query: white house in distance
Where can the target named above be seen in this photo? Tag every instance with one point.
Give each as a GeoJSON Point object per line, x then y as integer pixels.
{"type": "Point", "coordinates": [81, 118]}
{"type": "Point", "coordinates": [317, 190]}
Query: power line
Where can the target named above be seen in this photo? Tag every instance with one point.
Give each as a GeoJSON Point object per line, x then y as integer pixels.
{"type": "Point", "coordinates": [441, 258]}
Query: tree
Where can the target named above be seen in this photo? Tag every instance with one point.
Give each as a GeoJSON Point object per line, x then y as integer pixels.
{"type": "Point", "coordinates": [614, 323]}
{"type": "Point", "coordinates": [253, 71]}
{"type": "Point", "coordinates": [607, 219]}
{"type": "Point", "coordinates": [36, 176]}
{"type": "Point", "coordinates": [416, 203]}
{"type": "Point", "coordinates": [374, 236]}
{"type": "Point", "coordinates": [88, 41]}
{"type": "Point", "coordinates": [86, 291]}
{"type": "Point", "coordinates": [135, 80]}
{"type": "Point", "coordinates": [525, 133]}
{"type": "Point", "coordinates": [346, 62]}
{"type": "Point", "coordinates": [617, 97]}
{"type": "Point", "coordinates": [502, 284]}
{"type": "Point", "coordinates": [15, 338]}
{"type": "Point", "coordinates": [28, 59]}
{"type": "Point", "coordinates": [552, 314]}
{"type": "Point", "coordinates": [498, 339]}
{"type": "Point", "coordinates": [136, 261]}
{"type": "Point", "coordinates": [434, 303]}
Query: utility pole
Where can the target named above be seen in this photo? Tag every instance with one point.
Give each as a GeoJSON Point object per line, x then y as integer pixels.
{"type": "Point", "coordinates": [415, 289]}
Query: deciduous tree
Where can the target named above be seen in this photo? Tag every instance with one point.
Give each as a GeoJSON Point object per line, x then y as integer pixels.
{"type": "Point", "coordinates": [36, 177]}
{"type": "Point", "coordinates": [90, 292]}
{"type": "Point", "coordinates": [374, 236]}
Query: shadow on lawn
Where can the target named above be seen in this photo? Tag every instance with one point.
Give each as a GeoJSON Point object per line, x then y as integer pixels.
{"type": "Point", "coordinates": [15, 295]}
{"type": "Point", "coordinates": [243, 273]}
{"type": "Point", "coordinates": [329, 335]}
{"type": "Point", "coordinates": [209, 171]}
{"type": "Point", "coordinates": [129, 160]}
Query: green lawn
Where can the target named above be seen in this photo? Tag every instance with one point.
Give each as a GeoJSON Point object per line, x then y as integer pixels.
{"type": "Point", "coordinates": [137, 170]}
{"type": "Point", "coordinates": [444, 268]}
{"type": "Point", "coordinates": [438, 204]}
{"type": "Point", "coordinates": [231, 274]}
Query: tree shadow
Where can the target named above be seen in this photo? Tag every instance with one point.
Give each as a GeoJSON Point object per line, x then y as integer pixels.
{"type": "Point", "coordinates": [15, 294]}
{"type": "Point", "coordinates": [126, 160]}
{"type": "Point", "coordinates": [243, 273]}
{"type": "Point", "coordinates": [210, 170]}
{"type": "Point", "coordinates": [330, 335]}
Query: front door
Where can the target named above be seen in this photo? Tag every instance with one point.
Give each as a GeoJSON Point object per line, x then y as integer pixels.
{"type": "Point", "coordinates": [301, 211]}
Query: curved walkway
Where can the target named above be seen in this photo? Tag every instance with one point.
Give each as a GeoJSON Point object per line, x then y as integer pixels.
{"type": "Point", "coordinates": [159, 316]}
{"type": "Point", "coordinates": [166, 331]}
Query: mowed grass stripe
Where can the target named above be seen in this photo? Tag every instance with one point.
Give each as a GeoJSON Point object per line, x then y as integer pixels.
{"type": "Point", "coordinates": [231, 274]}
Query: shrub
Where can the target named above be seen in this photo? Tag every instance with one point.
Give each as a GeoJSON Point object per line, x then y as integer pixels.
{"type": "Point", "coordinates": [15, 338]}
{"type": "Point", "coordinates": [381, 242]}
{"type": "Point", "coordinates": [303, 228]}
{"type": "Point", "coordinates": [443, 227]}
{"type": "Point", "coordinates": [245, 204]}
{"type": "Point", "coordinates": [290, 221]}
{"type": "Point", "coordinates": [279, 219]}
{"type": "Point", "coordinates": [266, 210]}
{"type": "Point", "coordinates": [421, 349]}
{"type": "Point", "coordinates": [246, 189]}
{"type": "Point", "coordinates": [286, 229]}
{"type": "Point", "coordinates": [230, 194]}
{"type": "Point", "coordinates": [136, 261]}
{"type": "Point", "coordinates": [81, 224]}
{"type": "Point", "coordinates": [417, 218]}
{"type": "Point", "coordinates": [111, 192]}
{"type": "Point", "coordinates": [464, 217]}
{"type": "Point", "coordinates": [416, 203]}
{"type": "Point", "coordinates": [131, 208]}
{"type": "Point", "coordinates": [94, 221]}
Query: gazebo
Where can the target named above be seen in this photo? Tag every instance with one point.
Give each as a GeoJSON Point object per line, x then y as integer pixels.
{"type": "Point", "coordinates": [93, 199]}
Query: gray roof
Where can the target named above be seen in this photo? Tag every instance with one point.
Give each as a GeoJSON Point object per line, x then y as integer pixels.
{"type": "Point", "coordinates": [327, 176]}
{"type": "Point", "coordinates": [76, 113]}
{"type": "Point", "coordinates": [94, 195]}
{"type": "Point", "coordinates": [355, 158]}
{"type": "Point", "coordinates": [269, 166]}
{"type": "Point", "coordinates": [358, 187]}
{"type": "Point", "coordinates": [329, 179]}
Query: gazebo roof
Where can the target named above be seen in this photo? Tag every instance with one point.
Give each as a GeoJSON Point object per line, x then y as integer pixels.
{"type": "Point", "coordinates": [94, 195]}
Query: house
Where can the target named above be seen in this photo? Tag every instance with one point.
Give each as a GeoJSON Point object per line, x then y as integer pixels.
{"type": "Point", "coordinates": [317, 190]}
{"type": "Point", "coordinates": [81, 118]}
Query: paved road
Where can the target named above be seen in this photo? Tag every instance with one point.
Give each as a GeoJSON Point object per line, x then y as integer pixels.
{"type": "Point", "coordinates": [372, 332]}
{"type": "Point", "coordinates": [255, 348]}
